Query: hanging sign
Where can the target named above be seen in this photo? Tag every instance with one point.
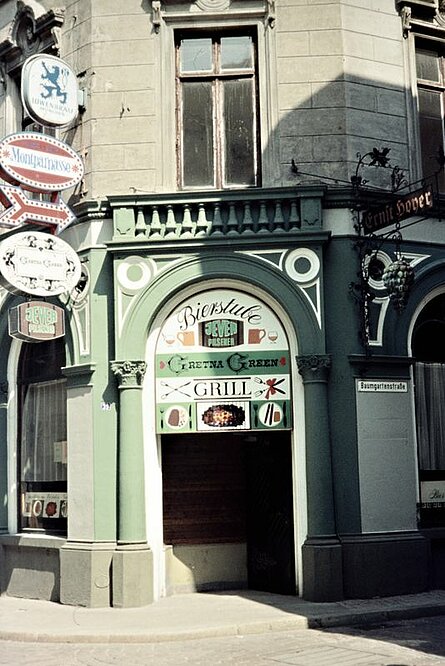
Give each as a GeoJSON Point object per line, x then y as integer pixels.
{"type": "Point", "coordinates": [49, 90]}
{"type": "Point", "coordinates": [415, 203]}
{"type": "Point", "coordinates": [35, 321]}
{"type": "Point", "coordinates": [39, 163]}
{"type": "Point", "coordinates": [38, 264]}
{"type": "Point", "coordinates": [222, 363]}
{"type": "Point", "coordinates": [19, 209]}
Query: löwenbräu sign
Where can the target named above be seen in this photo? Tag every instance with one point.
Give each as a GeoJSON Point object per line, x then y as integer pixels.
{"type": "Point", "coordinates": [222, 363]}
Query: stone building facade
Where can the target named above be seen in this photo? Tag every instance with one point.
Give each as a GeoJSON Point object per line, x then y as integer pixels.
{"type": "Point", "coordinates": [242, 397]}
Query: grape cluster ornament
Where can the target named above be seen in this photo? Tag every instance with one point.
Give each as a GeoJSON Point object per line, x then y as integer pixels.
{"type": "Point", "coordinates": [398, 278]}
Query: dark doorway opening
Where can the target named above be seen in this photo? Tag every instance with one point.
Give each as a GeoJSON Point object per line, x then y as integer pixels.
{"type": "Point", "coordinates": [234, 488]}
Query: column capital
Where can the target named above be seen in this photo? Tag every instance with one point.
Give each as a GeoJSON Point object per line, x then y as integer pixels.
{"type": "Point", "coordinates": [314, 367]}
{"type": "Point", "coordinates": [130, 374]}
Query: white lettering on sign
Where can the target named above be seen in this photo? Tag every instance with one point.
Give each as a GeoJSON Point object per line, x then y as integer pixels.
{"type": "Point", "coordinates": [382, 386]}
{"type": "Point", "coordinates": [222, 388]}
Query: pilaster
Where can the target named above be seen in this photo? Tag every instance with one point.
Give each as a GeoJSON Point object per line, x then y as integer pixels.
{"type": "Point", "coordinates": [322, 559]}
{"type": "Point", "coordinates": [132, 561]}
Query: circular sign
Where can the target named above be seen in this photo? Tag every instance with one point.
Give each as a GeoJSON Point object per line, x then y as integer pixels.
{"type": "Point", "coordinates": [38, 264]}
{"type": "Point", "coordinates": [49, 90]}
{"type": "Point", "coordinates": [39, 163]}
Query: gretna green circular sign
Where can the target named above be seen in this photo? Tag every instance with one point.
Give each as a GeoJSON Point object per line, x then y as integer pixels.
{"type": "Point", "coordinates": [38, 264]}
{"type": "Point", "coordinates": [222, 363]}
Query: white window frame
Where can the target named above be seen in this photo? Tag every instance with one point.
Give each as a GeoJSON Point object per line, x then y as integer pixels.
{"type": "Point", "coordinates": [254, 18]}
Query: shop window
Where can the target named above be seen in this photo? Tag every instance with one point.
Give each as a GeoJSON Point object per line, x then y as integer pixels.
{"type": "Point", "coordinates": [430, 69]}
{"type": "Point", "coordinates": [42, 438]}
{"type": "Point", "coordinates": [429, 352]}
{"type": "Point", "coordinates": [217, 110]}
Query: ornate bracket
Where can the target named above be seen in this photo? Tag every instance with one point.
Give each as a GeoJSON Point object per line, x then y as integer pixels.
{"type": "Point", "coordinates": [271, 13]}
{"type": "Point", "coordinates": [130, 374]}
{"type": "Point", "coordinates": [156, 15]}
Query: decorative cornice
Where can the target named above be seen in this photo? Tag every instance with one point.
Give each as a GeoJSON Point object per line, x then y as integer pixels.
{"type": "Point", "coordinates": [422, 17]}
{"type": "Point", "coordinates": [130, 374]}
{"type": "Point", "coordinates": [79, 375]}
{"type": "Point", "coordinates": [29, 35]}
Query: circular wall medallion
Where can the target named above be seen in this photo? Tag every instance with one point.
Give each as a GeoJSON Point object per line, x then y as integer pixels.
{"type": "Point", "coordinates": [302, 265]}
{"type": "Point", "coordinates": [213, 4]}
{"type": "Point", "coordinates": [374, 265]}
{"type": "Point", "coordinates": [133, 274]}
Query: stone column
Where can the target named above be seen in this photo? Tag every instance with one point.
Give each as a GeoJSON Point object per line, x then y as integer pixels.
{"type": "Point", "coordinates": [322, 559]}
{"type": "Point", "coordinates": [132, 563]}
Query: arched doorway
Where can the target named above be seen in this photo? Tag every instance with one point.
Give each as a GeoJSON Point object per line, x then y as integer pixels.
{"type": "Point", "coordinates": [223, 393]}
{"type": "Point", "coordinates": [429, 373]}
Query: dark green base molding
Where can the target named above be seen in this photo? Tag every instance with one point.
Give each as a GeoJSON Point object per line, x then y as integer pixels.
{"type": "Point", "coordinates": [379, 565]}
{"type": "Point", "coordinates": [322, 569]}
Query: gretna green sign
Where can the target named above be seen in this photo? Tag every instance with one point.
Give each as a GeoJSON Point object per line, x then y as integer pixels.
{"type": "Point", "coordinates": [222, 363]}
{"type": "Point", "coordinates": [35, 321]}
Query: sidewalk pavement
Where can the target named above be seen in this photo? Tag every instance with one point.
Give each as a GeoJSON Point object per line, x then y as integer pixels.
{"type": "Point", "coordinates": [201, 615]}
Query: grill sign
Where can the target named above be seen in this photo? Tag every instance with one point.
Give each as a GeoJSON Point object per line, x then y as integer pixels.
{"type": "Point", "coordinates": [39, 163]}
{"type": "Point", "coordinates": [35, 321]}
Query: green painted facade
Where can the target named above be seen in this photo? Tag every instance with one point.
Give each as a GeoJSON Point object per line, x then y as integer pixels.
{"type": "Point", "coordinates": [293, 244]}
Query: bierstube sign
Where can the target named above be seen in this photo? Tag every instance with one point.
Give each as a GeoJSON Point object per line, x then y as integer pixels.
{"type": "Point", "coordinates": [222, 363]}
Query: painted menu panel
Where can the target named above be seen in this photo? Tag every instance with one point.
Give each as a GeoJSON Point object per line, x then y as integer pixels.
{"type": "Point", "coordinates": [222, 363]}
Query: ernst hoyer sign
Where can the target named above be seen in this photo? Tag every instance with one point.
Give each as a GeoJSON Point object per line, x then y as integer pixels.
{"type": "Point", "coordinates": [222, 363]}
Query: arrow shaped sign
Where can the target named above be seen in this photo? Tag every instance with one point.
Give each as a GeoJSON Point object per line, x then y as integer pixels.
{"type": "Point", "coordinates": [19, 209]}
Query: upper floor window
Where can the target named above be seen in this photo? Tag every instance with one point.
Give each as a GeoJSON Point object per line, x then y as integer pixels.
{"type": "Point", "coordinates": [217, 111]}
{"type": "Point", "coordinates": [430, 67]}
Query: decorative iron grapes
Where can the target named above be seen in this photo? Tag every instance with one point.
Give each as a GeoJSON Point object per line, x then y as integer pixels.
{"type": "Point", "coordinates": [398, 278]}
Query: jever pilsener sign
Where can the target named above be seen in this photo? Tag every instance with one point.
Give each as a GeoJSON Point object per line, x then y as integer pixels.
{"type": "Point", "coordinates": [35, 321]}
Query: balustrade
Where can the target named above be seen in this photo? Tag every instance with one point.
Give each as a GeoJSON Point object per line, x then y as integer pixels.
{"type": "Point", "coordinates": [234, 214]}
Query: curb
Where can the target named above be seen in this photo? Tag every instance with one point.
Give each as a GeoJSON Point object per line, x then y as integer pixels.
{"type": "Point", "coordinates": [298, 622]}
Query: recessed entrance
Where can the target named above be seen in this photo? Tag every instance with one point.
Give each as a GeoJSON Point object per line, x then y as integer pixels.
{"type": "Point", "coordinates": [228, 511]}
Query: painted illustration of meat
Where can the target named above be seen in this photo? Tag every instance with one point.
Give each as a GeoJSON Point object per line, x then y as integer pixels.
{"type": "Point", "coordinates": [173, 418]}
{"type": "Point", "coordinates": [224, 416]}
